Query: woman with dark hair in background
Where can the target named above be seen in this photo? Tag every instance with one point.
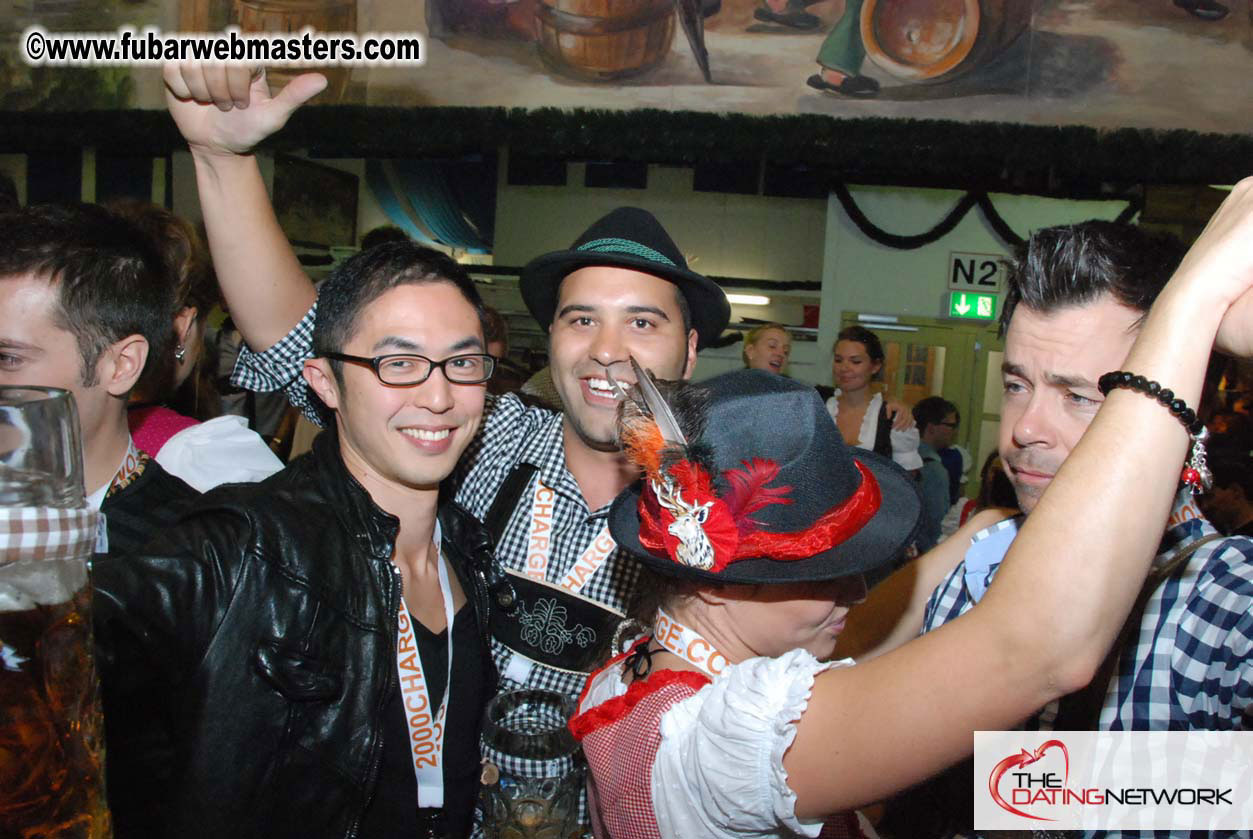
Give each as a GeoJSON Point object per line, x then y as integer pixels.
{"type": "Point", "coordinates": [860, 412]}
{"type": "Point", "coordinates": [219, 449]}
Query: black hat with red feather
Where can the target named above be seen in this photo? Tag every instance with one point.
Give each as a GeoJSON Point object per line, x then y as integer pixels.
{"type": "Point", "coordinates": [747, 480]}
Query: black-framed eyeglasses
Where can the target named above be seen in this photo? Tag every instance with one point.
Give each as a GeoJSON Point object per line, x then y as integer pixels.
{"type": "Point", "coordinates": [408, 369]}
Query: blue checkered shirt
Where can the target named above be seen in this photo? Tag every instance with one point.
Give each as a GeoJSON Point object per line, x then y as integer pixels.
{"type": "Point", "coordinates": [1190, 666]}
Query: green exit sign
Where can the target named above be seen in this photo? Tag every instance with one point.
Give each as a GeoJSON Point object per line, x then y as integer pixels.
{"type": "Point", "coordinates": [971, 306]}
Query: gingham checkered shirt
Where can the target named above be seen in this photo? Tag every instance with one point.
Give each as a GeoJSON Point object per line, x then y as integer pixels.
{"type": "Point", "coordinates": [278, 368]}
{"type": "Point", "coordinates": [512, 433]}
{"type": "Point", "coordinates": [47, 533]}
{"type": "Point", "coordinates": [1190, 666]}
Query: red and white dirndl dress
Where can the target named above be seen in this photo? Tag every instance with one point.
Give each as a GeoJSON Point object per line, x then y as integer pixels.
{"type": "Point", "coordinates": [681, 755]}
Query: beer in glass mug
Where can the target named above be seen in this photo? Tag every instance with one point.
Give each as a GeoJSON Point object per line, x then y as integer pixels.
{"type": "Point", "coordinates": [51, 734]}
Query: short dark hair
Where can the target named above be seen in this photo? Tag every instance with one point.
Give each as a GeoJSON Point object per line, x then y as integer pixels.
{"type": "Point", "coordinates": [382, 235]}
{"type": "Point", "coordinates": [1076, 264]}
{"type": "Point", "coordinates": [932, 411]}
{"type": "Point", "coordinates": [187, 269]}
{"type": "Point", "coordinates": [108, 276]}
{"type": "Point", "coordinates": [685, 310]}
{"type": "Point", "coordinates": [863, 336]}
{"type": "Point", "coordinates": [365, 277]}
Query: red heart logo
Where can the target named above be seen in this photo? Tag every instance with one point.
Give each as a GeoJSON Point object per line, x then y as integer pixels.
{"type": "Point", "coordinates": [1025, 758]}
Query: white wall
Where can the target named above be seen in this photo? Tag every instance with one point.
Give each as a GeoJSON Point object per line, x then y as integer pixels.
{"type": "Point", "coordinates": [861, 275]}
{"type": "Point", "coordinates": [786, 239]}
{"type": "Point", "coordinates": [753, 237]}
{"type": "Point", "coordinates": [748, 236]}
{"type": "Point", "coordinates": [864, 276]}
{"type": "Point", "coordinates": [744, 236]}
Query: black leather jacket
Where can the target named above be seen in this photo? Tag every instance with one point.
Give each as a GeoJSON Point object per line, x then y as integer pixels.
{"type": "Point", "coordinates": [261, 629]}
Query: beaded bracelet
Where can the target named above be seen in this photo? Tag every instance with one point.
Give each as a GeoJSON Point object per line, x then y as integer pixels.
{"type": "Point", "coordinates": [1196, 473]}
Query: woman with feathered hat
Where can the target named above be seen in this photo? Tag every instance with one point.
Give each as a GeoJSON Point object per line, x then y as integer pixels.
{"type": "Point", "coordinates": [725, 718]}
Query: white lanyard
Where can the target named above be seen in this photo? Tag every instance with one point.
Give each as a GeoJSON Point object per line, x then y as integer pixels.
{"type": "Point", "coordinates": [426, 731]}
{"type": "Point", "coordinates": [539, 545]}
{"type": "Point", "coordinates": [688, 645]}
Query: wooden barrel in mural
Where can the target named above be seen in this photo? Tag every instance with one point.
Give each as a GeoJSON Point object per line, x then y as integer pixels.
{"type": "Point", "coordinates": [281, 16]}
{"type": "Point", "coordinates": [936, 40]}
{"type": "Point", "coordinates": [604, 39]}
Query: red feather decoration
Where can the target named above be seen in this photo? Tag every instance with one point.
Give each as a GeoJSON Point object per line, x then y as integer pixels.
{"type": "Point", "coordinates": [748, 491]}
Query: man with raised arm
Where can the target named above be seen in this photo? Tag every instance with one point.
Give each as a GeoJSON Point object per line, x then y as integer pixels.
{"type": "Point", "coordinates": [1077, 297]}
{"type": "Point", "coordinates": [542, 481]}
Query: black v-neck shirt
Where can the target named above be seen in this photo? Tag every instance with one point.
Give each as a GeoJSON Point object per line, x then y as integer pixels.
{"type": "Point", "coordinates": [394, 808]}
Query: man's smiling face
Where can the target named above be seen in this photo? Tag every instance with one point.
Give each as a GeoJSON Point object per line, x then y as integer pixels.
{"type": "Point", "coordinates": [604, 316]}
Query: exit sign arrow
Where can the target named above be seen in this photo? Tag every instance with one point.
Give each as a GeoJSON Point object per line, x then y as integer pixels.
{"type": "Point", "coordinates": [971, 305]}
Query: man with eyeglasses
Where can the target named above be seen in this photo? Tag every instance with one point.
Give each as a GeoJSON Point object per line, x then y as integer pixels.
{"type": "Point", "coordinates": [318, 641]}
{"type": "Point", "coordinates": [542, 481]}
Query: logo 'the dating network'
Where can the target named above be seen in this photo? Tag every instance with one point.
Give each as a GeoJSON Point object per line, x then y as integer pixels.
{"type": "Point", "coordinates": [1103, 780]}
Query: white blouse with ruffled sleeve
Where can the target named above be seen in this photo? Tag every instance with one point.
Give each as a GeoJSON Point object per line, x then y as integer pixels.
{"type": "Point", "coordinates": [904, 443]}
{"type": "Point", "coordinates": [719, 770]}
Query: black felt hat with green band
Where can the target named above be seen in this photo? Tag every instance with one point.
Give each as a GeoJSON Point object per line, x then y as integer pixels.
{"type": "Point", "coordinates": [631, 238]}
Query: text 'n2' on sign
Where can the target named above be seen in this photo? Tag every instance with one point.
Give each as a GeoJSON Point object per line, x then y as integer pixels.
{"type": "Point", "coordinates": [983, 273]}
{"type": "Point", "coordinates": [968, 306]}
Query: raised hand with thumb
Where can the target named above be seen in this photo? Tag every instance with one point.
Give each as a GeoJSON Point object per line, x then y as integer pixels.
{"type": "Point", "coordinates": [227, 108]}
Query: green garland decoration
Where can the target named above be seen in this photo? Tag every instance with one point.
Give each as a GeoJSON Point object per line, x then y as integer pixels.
{"type": "Point", "coordinates": [1077, 161]}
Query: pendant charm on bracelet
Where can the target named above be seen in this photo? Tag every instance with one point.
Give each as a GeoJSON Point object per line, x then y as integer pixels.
{"type": "Point", "coordinates": [1196, 473]}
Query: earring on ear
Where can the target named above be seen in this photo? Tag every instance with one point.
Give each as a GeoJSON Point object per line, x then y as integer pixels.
{"type": "Point", "coordinates": [180, 352]}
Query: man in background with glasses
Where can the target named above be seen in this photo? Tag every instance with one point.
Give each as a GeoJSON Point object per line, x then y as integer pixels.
{"type": "Point", "coordinates": [937, 420]}
{"type": "Point", "coordinates": [306, 639]}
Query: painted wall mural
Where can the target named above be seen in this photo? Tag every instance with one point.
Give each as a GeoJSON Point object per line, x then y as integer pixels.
{"type": "Point", "coordinates": [1104, 63]}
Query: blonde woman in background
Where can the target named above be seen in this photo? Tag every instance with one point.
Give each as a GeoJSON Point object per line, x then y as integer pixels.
{"type": "Point", "coordinates": [767, 347]}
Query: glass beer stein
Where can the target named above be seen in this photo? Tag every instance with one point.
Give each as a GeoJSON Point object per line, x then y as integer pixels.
{"type": "Point", "coordinates": [527, 729]}
{"type": "Point", "coordinates": [51, 733]}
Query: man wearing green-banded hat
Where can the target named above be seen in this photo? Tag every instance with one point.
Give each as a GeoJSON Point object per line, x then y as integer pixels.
{"type": "Point", "coordinates": [541, 481]}
{"type": "Point", "coordinates": [622, 288]}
